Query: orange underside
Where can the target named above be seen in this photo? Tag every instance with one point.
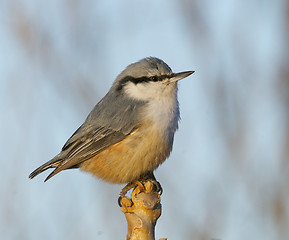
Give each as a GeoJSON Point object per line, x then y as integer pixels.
{"type": "Point", "coordinates": [125, 161]}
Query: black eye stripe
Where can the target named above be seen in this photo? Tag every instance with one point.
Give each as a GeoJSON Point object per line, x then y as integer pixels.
{"type": "Point", "coordinates": [126, 79]}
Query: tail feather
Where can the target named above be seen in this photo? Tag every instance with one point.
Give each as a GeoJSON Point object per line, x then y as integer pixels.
{"type": "Point", "coordinates": [50, 164]}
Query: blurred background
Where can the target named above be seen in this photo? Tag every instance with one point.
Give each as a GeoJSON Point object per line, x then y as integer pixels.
{"type": "Point", "coordinates": [228, 175]}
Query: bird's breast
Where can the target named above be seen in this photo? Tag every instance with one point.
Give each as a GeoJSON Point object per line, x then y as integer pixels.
{"type": "Point", "coordinates": [143, 150]}
{"type": "Point", "coordinates": [163, 114]}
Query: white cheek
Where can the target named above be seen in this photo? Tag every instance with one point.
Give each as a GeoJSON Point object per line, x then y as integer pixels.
{"type": "Point", "coordinates": [142, 91]}
{"type": "Point", "coordinates": [149, 91]}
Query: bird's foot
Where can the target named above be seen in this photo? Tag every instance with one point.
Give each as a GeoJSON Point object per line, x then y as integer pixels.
{"type": "Point", "coordinates": [132, 185]}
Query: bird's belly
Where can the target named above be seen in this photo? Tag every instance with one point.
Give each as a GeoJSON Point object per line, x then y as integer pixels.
{"type": "Point", "coordinates": [126, 161]}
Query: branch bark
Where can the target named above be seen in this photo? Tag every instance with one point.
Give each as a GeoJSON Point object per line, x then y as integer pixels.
{"type": "Point", "coordinates": [142, 211]}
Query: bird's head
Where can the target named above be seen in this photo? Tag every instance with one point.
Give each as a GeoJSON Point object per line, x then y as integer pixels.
{"type": "Point", "coordinates": [149, 78]}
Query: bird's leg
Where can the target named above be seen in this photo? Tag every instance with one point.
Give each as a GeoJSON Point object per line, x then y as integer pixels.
{"type": "Point", "coordinates": [151, 178]}
{"type": "Point", "coordinates": [131, 185]}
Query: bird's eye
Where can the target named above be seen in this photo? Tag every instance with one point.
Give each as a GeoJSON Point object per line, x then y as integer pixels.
{"type": "Point", "coordinates": [154, 78]}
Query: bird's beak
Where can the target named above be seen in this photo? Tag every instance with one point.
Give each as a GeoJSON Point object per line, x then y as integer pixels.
{"type": "Point", "coordinates": [178, 76]}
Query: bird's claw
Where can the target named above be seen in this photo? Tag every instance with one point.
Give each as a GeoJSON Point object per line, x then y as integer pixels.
{"type": "Point", "coordinates": [141, 184]}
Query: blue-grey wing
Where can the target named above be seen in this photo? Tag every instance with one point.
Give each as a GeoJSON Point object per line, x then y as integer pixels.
{"type": "Point", "coordinates": [111, 120]}
{"type": "Point", "coordinates": [86, 147]}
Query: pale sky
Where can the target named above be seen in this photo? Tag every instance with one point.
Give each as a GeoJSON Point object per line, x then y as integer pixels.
{"type": "Point", "coordinates": [58, 58]}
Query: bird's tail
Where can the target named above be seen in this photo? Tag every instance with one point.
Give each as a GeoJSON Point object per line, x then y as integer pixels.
{"type": "Point", "coordinates": [50, 164]}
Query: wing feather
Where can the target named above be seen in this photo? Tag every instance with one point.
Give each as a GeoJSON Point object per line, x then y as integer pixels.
{"type": "Point", "coordinates": [88, 147]}
{"type": "Point", "coordinates": [103, 127]}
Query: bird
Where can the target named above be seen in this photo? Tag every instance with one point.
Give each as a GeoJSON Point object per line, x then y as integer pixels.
{"type": "Point", "coordinates": [130, 131]}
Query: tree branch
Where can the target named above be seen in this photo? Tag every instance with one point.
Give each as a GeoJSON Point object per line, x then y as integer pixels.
{"type": "Point", "coordinates": [142, 212]}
